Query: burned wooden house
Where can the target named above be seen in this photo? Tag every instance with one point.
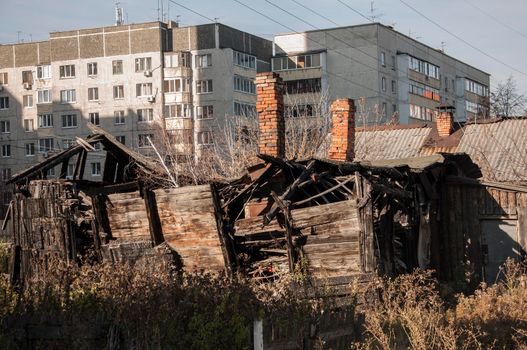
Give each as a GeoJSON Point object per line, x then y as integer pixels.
{"type": "Point", "coordinates": [330, 218]}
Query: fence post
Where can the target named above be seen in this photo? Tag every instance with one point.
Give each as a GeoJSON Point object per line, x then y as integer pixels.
{"type": "Point", "coordinates": [258, 334]}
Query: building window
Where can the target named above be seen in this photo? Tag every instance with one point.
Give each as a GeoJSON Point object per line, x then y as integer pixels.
{"type": "Point", "coordinates": [143, 89]}
{"type": "Point", "coordinates": [118, 92]}
{"type": "Point", "coordinates": [303, 86]}
{"type": "Point", "coordinates": [117, 67]}
{"type": "Point", "coordinates": [243, 84]}
{"type": "Point", "coordinates": [6, 174]}
{"type": "Point", "coordinates": [420, 112]}
{"type": "Point", "coordinates": [383, 84]}
{"type": "Point", "coordinates": [68, 96]}
{"type": "Point", "coordinates": [203, 61]}
{"type": "Point", "coordinates": [27, 101]}
{"type": "Point", "coordinates": [69, 120]}
{"type": "Point", "coordinates": [67, 143]}
{"type": "Point", "coordinates": [296, 62]}
{"type": "Point", "coordinates": [93, 94]}
{"type": "Point", "coordinates": [299, 110]}
{"type": "Point", "coordinates": [176, 85]}
{"type": "Point", "coordinates": [178, 111]}
{"type": "Point", "coordinates": [383, 59]}
{"type": "Point", "coordinates": [30, 149]}
{"type": "Point", "coordinates": [6, 151]}
{"type": "Point", "coordinates": [29, 125]}
{"type": "Point", "coordinates": [4, 102]}
{"type": "Point", "coordinates": [44, 96]}
{"type": "Point", "coordinates": [244, 109]}
{"type": "Point", "coordinates": [51, 172]}
{"type": "Point", "coordinates": [205, 138]}
{"type": "Point", "coordinates": [143, 142]}
{"type": "Point", "coordinates": [394, 108]}
{"type": "Point", "coordinates": [5, 126]}
{"type": "Point", "coordinates": [27, 77]}
{"type": "Point", "coordinates": [94, 118]}
{"type": "Point", "coordinates": [205, 112]}
{"type": "Point", "coordinates": [145, 115]}
{"type": "Point", "coordinates": [119, 117]}
{"type": "Point", "coordinates": [181, 59]}
{"type": "Point", "coordinates": [384, 109]}
{"type": "Point", "coordinates": [96, 169]}
{"type": "Point", "coordinates": [44, 72]}
{"type": "Point", "coordinates": [475, 108]}
{"type": "Point", "coordinates": [4, 78]}
{"type": "Point", "coordinates": [92, 69]}
{"type": "Point", "coordinates": [203, 86]}
{"type": "Point", "coordinates": [426, 91]}
{"type": "Point", "coordinates": [394, 86]}
{"type": "Point", "coordinates": [45, 145]}
{"type": "Point", "coordinates": [121, 139]}
{"type": "Point", "coordinates": [45, 120]}
{"type": "Point", "coordinates": [244, 60]}
{"type": "Point", "coordinates": [394, 62]}
{"type": "Point", "coordinates": [476, 88]}
{"type": "Point", "coordinates": [143, 64]}
{"type": "Point", "coordinates": [423, 67]}
{"type": "Point", "coordinates": [67, 71]}
{"type": "Point", "coordinates": [69, 171]}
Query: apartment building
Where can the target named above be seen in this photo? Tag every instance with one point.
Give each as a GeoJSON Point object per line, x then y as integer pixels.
{"type": "Point", "coordinates": [135, 81]}
{"type": "Point", "coordinates": [397, 76]}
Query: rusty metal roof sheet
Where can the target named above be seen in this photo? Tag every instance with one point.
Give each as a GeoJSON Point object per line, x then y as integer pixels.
{"type": "Point", "coordinates": [390, 143]}
{"type": "Point", "coordinates": [500, 149]}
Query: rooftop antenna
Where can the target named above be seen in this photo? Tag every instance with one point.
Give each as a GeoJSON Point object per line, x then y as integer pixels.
{"type": "Point", "coordinates": [168, 11]}
{"type": "Point", "coordinates": [119, 19]}
{"type": "Point", "coordinates": [443, 44]}
{"type": "Point", "coordinates": [158, 11]}
{"type": "Point", "coordinates": [177, 19]}
{"type": "Point", "coordinates": [411, 35]}
{"type": "Point", "coordinates": [216, 19]}
{"type": "Point", "coordinates": [374, 16]}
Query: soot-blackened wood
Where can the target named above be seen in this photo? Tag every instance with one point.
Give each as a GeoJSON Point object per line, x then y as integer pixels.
{"type": "Point", "coordinates": [522, 222]}
{"type": "Point", "coordinates": [110, 165]}
{"type": "Point", "coordinates": [80, 165]}
{"type": "Point", "coordinates": [15, 264]}
{"type": "Point", "coordinates": [290, 191]}
{"type": "Point", "coordinates": [156, 231]}
{"type": "Point", "coordinates": [64, 169]}
{"type": "Point", "coordinates": [386, 230]}
{"type": "Point", "coordinates": [101, 216]}
{"type": "Point", "coordinates": [284, 206]}
{"type": "Point", "coordinates": [227, 244]}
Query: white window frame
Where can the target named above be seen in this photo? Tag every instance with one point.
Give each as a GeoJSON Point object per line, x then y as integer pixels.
{"type": "Point", "coordinates": [119, 117]}
{"type": "Point", "coordinates": [92, 69]}
{"type": "Point", "coordinates": [69, 121]}
{"type": "Point", "coordinates": [4, 102]}
{"type": "Point", "coordinates": [44, 96]}
{"type": "Point", "coordinates": [204, 87]}
{"type": "Point", "coordinates": [143, 89]}
{"type": "Point", "coordinates": [96, 169]}
{"type": "Point", "coordinates": [29, 125]}
{"type": "Point", "coordinates": [142, 140]}
{"type": "Point", "coordinates": [178, 110]}
{"type": "Point", "coordinates": [118, 92]}
{"type": "Point", "coordinates": [5, 126]}
{"type": "Point", "coordinates": [44, 72]}
{"type": "Point", "coordinates": [45, 120]}
{"type": "Point", "coordinates": [143, 64]}
{"type": "Point", "coordinates": [68, 96]}
{"type": "Point", "coordinates": [93, 94]}
{"type": "Point", "coordinates": [30, 149]}
{"type": "Point", "coordinates": [205, 112]}
{"type": "Point", "coordinates": [27, 101]}
{"type": "Point", "coordinates": [94, 118]}
{"type": "Point", "coordinates": [117, 67]}
{"type": "Point", "coordinates": [6, 151]}
{"type": "Point", "coordinates": [203, 61]}
{"type": "Point", "coordinates": [145, 115]}
{"type": "Point", "coordinates": [67, 71]}
{"type": "Point", "coordinates": [4, 78]}
{"type": "Point", "coordinates": [205, 138]}
{"type": "Point", "coordinates": [45, 145]}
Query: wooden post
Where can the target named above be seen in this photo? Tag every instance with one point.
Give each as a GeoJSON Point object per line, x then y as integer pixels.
{"type": "Point", "coordinates": [284, 206]}
{"type": "Point", "coordinates": [80, 165]}
{"type": "Point", "coordinates": [258, 334]}
{"type": "Point", "coordinates": [227, 245]}
{"type": "Point", "coordinates": [154, 222]}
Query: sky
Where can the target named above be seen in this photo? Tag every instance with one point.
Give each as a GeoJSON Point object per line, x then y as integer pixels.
{"type": "Point", "coordinates": [488, 34]}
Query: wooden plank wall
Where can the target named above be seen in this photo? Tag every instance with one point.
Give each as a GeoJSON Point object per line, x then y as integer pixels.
{"type": "Point", "coordinates": [127, 217]}
{"type": "Point", "coordinates": [332, 238]}
{"type": "Point", "coordinates": [42, 226]}
{"type": "Point", "coordinates": [188, 221]}
{"type": "Point", "coordinates": [462, 209]}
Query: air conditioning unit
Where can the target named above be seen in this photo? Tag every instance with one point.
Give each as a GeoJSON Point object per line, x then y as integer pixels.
{"type": "Point", "coordinates": [27, 86]}
{"type": "Point", "coordinates": [148, 73]}
{"type": "Point", "coordinates": [151, 99]}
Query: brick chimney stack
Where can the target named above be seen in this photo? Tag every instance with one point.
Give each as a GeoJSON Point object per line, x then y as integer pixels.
{"type": "Point", "coordinates": [445, 121]}
{"type": "Point", "coordinates": [343, 131]}
{"type": "Point", "coordinates": [270, 108]}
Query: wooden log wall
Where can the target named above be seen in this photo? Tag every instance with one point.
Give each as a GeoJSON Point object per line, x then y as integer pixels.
{"type": "Point", "coordinates": [188, 221]}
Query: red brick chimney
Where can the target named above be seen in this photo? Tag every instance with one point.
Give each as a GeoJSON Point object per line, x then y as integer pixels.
{"type": "Point", "coordinates": [445, 121]}
{"type": "Point", "coordinates": [343, 131]}
{"type": "Point", "coordinates": [270, 108]}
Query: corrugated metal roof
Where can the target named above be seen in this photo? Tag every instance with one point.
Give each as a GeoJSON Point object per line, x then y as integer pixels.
{"type": "Point", "coordinates": [500, 149]}
{"type": "Point", "coordinates": [390, 144]}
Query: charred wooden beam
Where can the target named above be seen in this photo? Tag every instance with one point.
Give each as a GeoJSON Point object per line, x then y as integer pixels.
{"type": "Point", "coordinates": [80, 165]}
{"type": "Point", "coordinates": [289, 192]}
{"type": "Point", "coordinates": [224, 235]}
{"type": "Point", "coordinates": [321, 194]}
{"type": "Point", "coordinates": [154, 223]}
{"type": "Point", "coordinates": [110, 165]}
{"type": "Point", "coordinates": [284, 206]}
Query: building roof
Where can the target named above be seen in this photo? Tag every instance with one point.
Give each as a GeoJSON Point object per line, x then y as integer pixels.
{"type": "Point", "coordinates": [393, 142]}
